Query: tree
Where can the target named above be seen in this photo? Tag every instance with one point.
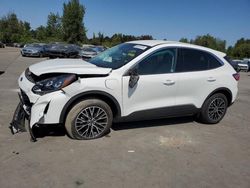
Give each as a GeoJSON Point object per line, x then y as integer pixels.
{"type": "Point", "coordinates": [41, 33]}
{"type": "Point", "coordinates": [72, 22]}
{"type": "Point", "coordinates": [185, 40]}
{"type": "Point", "coordinates": [230, 51]}
{"type": "Point", "coordinates": [54, 26]}
{"type": "Point", "coordinates": [10, 28]}
{"type": "Point", "coordinates": [210, 42]}
{"type": "Point", "coordinates": [241, 49]}
{"type": "Point", "coordinates": [14, 30]}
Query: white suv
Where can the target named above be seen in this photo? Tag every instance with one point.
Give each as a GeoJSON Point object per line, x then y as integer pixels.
{"type": "Point", "coordinates": [138, 79]}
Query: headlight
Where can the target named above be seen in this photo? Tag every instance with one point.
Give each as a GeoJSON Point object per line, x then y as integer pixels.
{"type": "Point", "coordinates": [53, 84]}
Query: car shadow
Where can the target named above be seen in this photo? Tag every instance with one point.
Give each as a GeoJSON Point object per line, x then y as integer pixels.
{"type": "Point", "coordinates": [151, 123]}
{"type": "Point", "coordinates": [59, 130]}
{"type": "Point", "coordinates": [49, 130]}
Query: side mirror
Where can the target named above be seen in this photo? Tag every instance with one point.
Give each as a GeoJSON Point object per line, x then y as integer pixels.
{"type": "Point", "coordinates": [134, 77]}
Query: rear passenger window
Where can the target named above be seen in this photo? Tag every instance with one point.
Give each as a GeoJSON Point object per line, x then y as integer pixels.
{"type": "Point", "coordinates": [195, 60]}
{"type": "Point", "coordinates": [213, 62]}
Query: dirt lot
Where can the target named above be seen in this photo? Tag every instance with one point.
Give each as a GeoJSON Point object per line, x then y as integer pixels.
{"type": "Point", "coordinates": [164, 153]}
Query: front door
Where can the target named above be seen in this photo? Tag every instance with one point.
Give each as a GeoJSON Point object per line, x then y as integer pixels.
{"type": "Point", "coordinates": [157, 84]}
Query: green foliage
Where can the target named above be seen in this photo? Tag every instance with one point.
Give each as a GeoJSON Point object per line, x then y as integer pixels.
{"type": "Point", "coordinates": [54, 26]}
{"type": "Point", "coordinates": [184, 40]}
{"type": "Point", "coordinates": [115, 39]}
{"type": "Point", "coordinates": [210, 42]}
{"type": "Point", "coordinates": [207, 41]}
{"type": "Point", "coordinates": [241, 49]}
{"type": "Point", "coordinates": [13, 30]}
{"type": "Point", "coordinates": [72, 22]}
{"type": "Point", "coordinates": [41, 33]}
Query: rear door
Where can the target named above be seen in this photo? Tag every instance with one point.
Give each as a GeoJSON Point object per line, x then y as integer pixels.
{"type": "Point", "coordinates": [199, 74]}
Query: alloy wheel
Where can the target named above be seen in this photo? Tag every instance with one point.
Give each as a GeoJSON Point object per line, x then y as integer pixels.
{"type": "Point", "coordinates": [91, 122]}
{"type": "Point", "coordinates": [216, 109]}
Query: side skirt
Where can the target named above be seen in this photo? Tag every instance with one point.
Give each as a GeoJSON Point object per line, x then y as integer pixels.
{"type": "Point", "coordinates": [159, 113]}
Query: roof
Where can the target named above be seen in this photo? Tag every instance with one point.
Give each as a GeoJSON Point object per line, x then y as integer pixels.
{"type": "Point", "coordinates": [150, 43]}
{"type": "Point", "coordinates": [153, 43]}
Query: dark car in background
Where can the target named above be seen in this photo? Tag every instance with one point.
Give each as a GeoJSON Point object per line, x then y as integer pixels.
{"type": "Point", "coordinates": [18, 45]}
{"type": "Point", "coordinates": [33, 50]}
{"type": "Point", "coordinates": [2, 45]}
{"type": "Point", "coordinates": [62, 50]}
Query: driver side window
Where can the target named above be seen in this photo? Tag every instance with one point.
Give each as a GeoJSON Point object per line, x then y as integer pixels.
{"type": "Point", "coordinates": [160, 62]}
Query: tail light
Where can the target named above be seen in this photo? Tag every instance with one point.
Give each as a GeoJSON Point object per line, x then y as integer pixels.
{"type": "Point", "coordinates": [236, 76]}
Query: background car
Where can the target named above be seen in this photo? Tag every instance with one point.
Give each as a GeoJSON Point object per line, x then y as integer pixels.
{"type": "Point", "coordinates": [2, 45]}
{"type": "Point", "coordinates": [244, 65]}
{"type": "Point", "coordinates": [90, 51]}
{"type": "Point", "coordinates": [87, 52]}
{"type": "Point", "coordinates": [99, 49]}
{"type": "Point", "coordinates": [33, 50]}
{"type": "Point", "coordinates": [18, 45]}
{"type": "Point", "coordinates": [235, 64]}
{"type": "Point", "coordinates": [62, 50]}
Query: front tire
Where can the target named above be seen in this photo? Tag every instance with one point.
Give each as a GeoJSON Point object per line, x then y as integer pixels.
{"type": "Point", "coordinates": [214, 109]}
{"type": "Point", "coordinates": [89, 119]}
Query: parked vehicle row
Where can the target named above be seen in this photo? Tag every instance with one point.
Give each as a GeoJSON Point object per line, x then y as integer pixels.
{"type": "Point", "coordinates": [60, 50]}
{"type": "Point", "coordinates": [17, 45]}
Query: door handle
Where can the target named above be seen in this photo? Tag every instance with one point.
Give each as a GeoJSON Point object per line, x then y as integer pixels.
{"type": "Point", "coordinates": [211, 79]}
{"type": "Point", "coordinates": [169, 82]}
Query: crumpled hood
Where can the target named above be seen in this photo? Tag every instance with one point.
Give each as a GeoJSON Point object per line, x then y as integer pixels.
{"type": "Point", "coordinates": [75, 66]}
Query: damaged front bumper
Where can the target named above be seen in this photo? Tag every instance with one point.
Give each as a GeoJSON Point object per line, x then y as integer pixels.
{"type": "Point", "coordinates": [37, 110]}
{"type": "Point", "coordinates": [21, 114]}
{"type": "Point", "coordinates": [18, 121]}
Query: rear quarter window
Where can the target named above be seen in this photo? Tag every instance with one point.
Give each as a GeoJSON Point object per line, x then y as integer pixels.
{"type": "Point", "coordinates": [189, 60]}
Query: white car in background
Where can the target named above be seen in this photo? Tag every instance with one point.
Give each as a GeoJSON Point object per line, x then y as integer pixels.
{"type": "Point", "coordinates": [244, 65]}
{"type": "Point", "coordinates": [134, 80]}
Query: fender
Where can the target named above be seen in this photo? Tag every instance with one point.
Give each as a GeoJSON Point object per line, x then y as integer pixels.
{"type": "Point", "coordinates": [223, 90]}
{"type": "Point", "coordinates": [114, 104]}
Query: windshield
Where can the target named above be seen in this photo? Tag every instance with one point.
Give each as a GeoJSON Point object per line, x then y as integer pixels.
{"type": "Point", "coordinates": [118, 56]}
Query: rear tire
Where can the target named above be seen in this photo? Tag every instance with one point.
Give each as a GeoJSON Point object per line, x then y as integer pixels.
{"type": "Point", "coordinates": [89, 119]}
{"type": "Point", "coordinates": [214, 109]}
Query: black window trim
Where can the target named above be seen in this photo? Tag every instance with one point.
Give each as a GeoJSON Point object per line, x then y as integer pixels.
{"type": "Point", "coordinates": [176, 58]}
{"type": "Point", "coordinates": [151, 53]}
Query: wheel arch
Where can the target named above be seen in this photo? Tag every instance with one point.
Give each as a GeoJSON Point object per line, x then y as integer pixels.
{"type": "Point", "coordinates": [224, 91]}
{"type": "Point", "coordinates": [109, 99]}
